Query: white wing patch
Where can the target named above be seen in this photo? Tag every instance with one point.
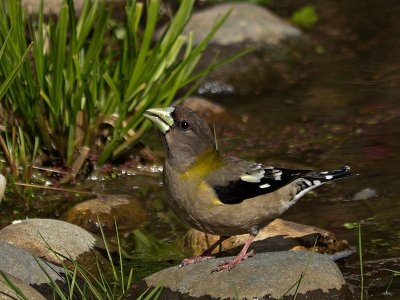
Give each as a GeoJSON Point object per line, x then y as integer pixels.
{"type": "Point", "coordinates": [265, 185]}
{"type": "Point", "coordinates": [254, 177]}
{"type": "Point", "coordinates": [256, 167]}
{"type": "Point", "coordinates": [257, 173]}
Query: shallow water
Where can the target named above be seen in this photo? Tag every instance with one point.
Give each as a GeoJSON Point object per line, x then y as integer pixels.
{"type": "Point", "coordinates": [346, 113]}
{"type": "Point", "coordinates": [337, 117]}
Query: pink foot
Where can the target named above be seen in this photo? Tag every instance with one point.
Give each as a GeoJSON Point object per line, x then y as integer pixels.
{"type": "Point", "coordinates": [194, 260]}
{"type": "Point", "coordinates": [230, 264]}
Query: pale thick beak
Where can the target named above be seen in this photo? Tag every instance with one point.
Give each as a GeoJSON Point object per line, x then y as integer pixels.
{"type": "Point", "coordinates": [161, 117]}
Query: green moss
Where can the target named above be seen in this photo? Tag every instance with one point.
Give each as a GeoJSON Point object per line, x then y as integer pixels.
{"type": "Point", "coordinates": [305, 17]}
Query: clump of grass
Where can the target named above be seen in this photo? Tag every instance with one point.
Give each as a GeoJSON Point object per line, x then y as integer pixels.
{"type": "Point", "coordinates": [88, 71]}
{"type": "Point", "coordinates": [13, 144]}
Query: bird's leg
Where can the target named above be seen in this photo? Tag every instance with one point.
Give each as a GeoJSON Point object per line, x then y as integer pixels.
{"type": "Point", "coordinates": [207, 254]}
{"type": "Point", "coordinates": [230, 264]}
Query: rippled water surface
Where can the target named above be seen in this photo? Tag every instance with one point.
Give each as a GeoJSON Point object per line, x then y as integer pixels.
{"type": "Point", "coordinates": [346, 113]}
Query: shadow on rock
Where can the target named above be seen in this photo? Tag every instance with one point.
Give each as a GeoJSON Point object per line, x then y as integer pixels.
{"type": "Point", "coordinates": [280, 235]}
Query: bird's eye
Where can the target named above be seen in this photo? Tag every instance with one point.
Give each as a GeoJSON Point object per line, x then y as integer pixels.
{"type": "Point", "coordinates": [184, 125]}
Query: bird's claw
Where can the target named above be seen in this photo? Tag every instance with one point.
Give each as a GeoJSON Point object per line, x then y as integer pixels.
{"type": "Point", "coordinates": [193, 260]}
{"type": "Point", "coordinates": [230, 264]}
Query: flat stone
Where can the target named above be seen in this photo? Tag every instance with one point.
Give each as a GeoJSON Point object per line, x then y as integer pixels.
{"type": "Point", "coordinates": [7, 293]}
{"type": "Point", "coordinates": [280, 235]}
{"type": "Point", "coordinates": [24, 266]}
{"type": "Point", "coordinates": [271, 275]}
{"type": "Point", "coordinates": [36, 235]}
{"type": "Point", "coordinates": [128, 213]}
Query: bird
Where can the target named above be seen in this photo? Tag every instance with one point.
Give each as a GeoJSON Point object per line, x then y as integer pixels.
{"type": "Point", "coordinates": [221, 194]}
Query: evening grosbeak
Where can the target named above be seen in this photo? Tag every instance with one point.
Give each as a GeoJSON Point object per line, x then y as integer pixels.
{"type": "Point", "coordinates": [220, 194]}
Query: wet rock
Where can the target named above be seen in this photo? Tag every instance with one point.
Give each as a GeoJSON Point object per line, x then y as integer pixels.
{"type": "Point", "coordinates": [54, 6]}
{"type": "Point", "coordinates": [129, 213]}
{"type": "Point", "coordinates": [7, 293]}
{"type": "Point", "coordinates": [49, 6]}
{"type": "Point", "coordinates": [265, 276]}
{"type": "Point", "coordinates": [210, 111]}
{"type": "Point", "coordinates": [365, 194]}
{"type": "Point", "coordinates": [277, 46]}
{"type": "Point", "coordinates": [280, 235]}
{"type": "Point", "coordinates": [25, 270]}
{"type": "Point", "coordinates": [37, 235]}
{"type": "Point", "coordinates": [3, 184]}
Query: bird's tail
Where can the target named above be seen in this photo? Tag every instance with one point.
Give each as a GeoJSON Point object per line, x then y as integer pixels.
{"type": "Point", "coordinates": [311, 180]}
{"type": "Point", "coordinates": [325, 176]}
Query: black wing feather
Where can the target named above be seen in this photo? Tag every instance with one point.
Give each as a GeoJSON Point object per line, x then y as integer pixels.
{"type": "Point", "coordinates": [239, 190]}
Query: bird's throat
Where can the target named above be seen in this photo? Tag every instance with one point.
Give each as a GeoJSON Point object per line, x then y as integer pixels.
{"type": "Point", "coordinates": [209, 161]}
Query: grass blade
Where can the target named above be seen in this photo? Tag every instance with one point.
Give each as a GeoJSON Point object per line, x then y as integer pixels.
{"type": "Point", "coordinates": [12, 286]}
{"type": "Point", "coordinates": [6, 84]}
{"type": "Point", "coordinates": [361, 262]}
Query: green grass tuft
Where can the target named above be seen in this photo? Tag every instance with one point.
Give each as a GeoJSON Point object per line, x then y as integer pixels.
{"type": "Point", "coordinates": [87, 71]}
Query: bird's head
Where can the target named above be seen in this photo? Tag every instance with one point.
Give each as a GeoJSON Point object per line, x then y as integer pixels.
{"type": "Point", "coordinates": [185, 135]}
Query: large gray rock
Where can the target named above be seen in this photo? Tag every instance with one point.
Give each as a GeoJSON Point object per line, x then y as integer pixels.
{"type": "Point", "coordinates": [264, 276]}
{"type": "Point", "coordinates": [25, 267]}
{"type": "Point", "coordinates": [276, 44]}
{"type": "Point", "coordinates": [7, 293]}
{"type": "Point", "coordinates": [247, 23]}
{"type": "Point", "coordinates": [37, 235]}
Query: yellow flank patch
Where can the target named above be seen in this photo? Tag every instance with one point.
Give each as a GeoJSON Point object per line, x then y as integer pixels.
{"type": "Point", "coordinates": [205, 191]}
{"type": "Point", "coordinates": [216, 201]}
{"type": "Point", "coordinates": [206, 163]}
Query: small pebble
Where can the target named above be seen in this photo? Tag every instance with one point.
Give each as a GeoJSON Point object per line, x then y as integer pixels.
{"type": "Point", "coordinates": [3, 183]}
{"type": "Point", "coordinates": [365, 194]}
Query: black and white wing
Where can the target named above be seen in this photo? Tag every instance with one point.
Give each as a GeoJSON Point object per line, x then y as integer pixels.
{"type": "Point", "coordinates": [241, 180]}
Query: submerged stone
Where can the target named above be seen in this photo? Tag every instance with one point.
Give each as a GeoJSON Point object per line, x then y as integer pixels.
{"type": "Point", "coordinates": [128, 213]}
{"type": "Point", "coordinates": [273, 275]}
{"type": "Point", "coordinates": [365, 194]}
